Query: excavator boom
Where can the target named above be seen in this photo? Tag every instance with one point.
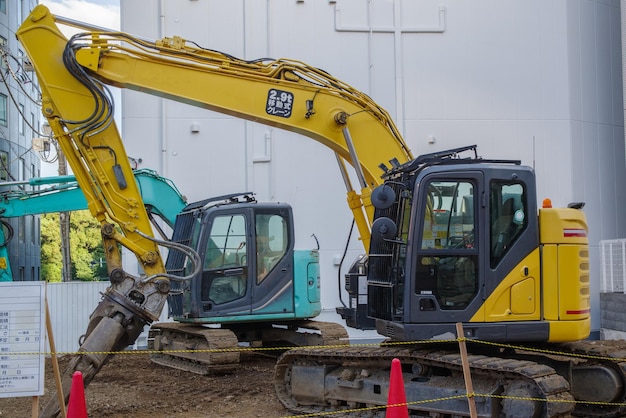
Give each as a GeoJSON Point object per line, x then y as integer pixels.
{"type": "Point", "coordinates": [283, 93]}
{"type": "Point", "coordinates": [159, 195]}
{"type": "Point", "coordinates": [62, 194]}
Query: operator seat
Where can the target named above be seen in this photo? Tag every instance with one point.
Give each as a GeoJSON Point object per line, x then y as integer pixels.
{"type": "Point", "coordinates": [501, 231]}
{"type": "Point", "coordinates": [263, 254]}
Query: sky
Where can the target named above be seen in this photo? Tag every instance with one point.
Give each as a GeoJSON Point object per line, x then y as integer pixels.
{"type": "Point", "coordinates": [104, 13]}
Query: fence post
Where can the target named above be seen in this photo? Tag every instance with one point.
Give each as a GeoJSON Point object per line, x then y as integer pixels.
{"type": "Point", "coordinates": [622, 264]}
{"type": "Point", "coordinates": [467, 375]}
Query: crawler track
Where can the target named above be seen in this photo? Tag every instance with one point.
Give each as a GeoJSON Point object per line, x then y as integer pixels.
{"type": "Point", "coordinates": [598, 375]}
{"type": "Point", "coordinates": [323, 380]}
{"type": "Point", "coordinates": [181, 341]}
{"type": "Point", "coordinates": [204, 351]}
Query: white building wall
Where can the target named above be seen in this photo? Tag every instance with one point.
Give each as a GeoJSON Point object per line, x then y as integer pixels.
{"type": "Point", "coordinates": [535, 80]}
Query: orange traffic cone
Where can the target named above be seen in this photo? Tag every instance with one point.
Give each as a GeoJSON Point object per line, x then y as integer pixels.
{"type": "Point", "coordinates": [396, 401]}
{"type": "Point", "coordinates": [77, 406]}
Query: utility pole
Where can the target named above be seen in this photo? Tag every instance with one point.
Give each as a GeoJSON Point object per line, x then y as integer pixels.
{"type": "Point", "coordinates": [64, 221]}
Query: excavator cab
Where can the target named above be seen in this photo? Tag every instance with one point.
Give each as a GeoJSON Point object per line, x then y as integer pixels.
{"type": "Point", "coordinates": [252, 289]}
{"type": "Point", "coordinates": [458, 240]}
{"type": "Point", "coordinates": [249, 263]}
{"type": "Point", "coordinates": [472, 224]}
{"type": "Point", "coordinates": [468, 249]}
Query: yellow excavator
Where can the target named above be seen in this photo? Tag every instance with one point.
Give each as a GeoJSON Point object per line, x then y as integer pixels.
{"type": "Point", "coordinates": [449, 237]}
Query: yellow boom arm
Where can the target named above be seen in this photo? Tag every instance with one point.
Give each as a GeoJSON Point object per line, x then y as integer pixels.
{"type": "Point", "coordinates": [283, 93]}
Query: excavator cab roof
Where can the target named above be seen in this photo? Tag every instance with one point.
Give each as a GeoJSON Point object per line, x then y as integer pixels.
{"type": "Point", "coordinates": [446, 157]}
{"type": "Point", "coordinates": [227, 199]}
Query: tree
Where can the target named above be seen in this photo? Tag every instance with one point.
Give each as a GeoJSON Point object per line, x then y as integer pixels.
{"type": "Point", "coordinates": [51, 258]}
{"type": "Point", "coordinates": [85, 247]}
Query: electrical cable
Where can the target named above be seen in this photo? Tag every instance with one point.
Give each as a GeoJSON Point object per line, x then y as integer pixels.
{"type": "Point", "coordinates": [343, 257]}
{"type": "Point", "coordinates": [192, 254]}
{"type": "Point", "coordinates": [9, 235]}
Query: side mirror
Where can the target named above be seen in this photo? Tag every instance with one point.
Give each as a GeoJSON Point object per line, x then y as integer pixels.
{"type": "Point", "coordinates": [384, 229]}
{"type": "Point", "coordinates": [383, 197]}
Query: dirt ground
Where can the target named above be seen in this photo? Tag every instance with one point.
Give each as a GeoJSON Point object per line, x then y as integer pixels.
{"type": "Point", "coordinates": [131, 386]}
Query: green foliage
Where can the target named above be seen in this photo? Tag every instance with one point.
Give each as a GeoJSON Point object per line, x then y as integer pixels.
{"type": "Point", "coordinates": [51, 258]}
{"type": "Point", "coordinates": [85, 247]}
{"type": "Point", "coordinates": [84, 239]}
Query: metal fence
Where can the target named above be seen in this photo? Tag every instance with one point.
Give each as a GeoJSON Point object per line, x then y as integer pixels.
{"type": "Point", "coordinates": [612, 262]}
{"type": "Point", "coordinates": [71, 304]}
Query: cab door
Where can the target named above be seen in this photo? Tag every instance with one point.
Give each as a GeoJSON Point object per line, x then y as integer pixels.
{"type": "Point", "coordinates": [225, 284]}
{"type": "Point", "coordinates": [273, 287]}
{"type": "Point", "coordinates": [446, 257]}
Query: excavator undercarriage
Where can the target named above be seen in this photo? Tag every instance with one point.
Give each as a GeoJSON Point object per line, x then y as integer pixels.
{"type": "Point", "coordinates": [204, 350]}
{"type": "Point", "coordinates": [507, 382]}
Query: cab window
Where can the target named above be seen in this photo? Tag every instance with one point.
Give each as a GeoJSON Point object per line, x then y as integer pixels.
{"type": "Point", "coordinates": [226, 244]}
{"type": "Point", "coordinates": [449, 217]}
{"type": "Point", "coordinates": [224, 276]}
{"type": "Point", "coordinates": [448, 266]}
{"type": "Point", "coordinates": [271, 242]}
{"type": "Point", "coordinates": [507, 216]}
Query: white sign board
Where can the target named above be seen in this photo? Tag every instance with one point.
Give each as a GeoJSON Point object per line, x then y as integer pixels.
{"type": "Point", "coordinates": [22, 331]}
